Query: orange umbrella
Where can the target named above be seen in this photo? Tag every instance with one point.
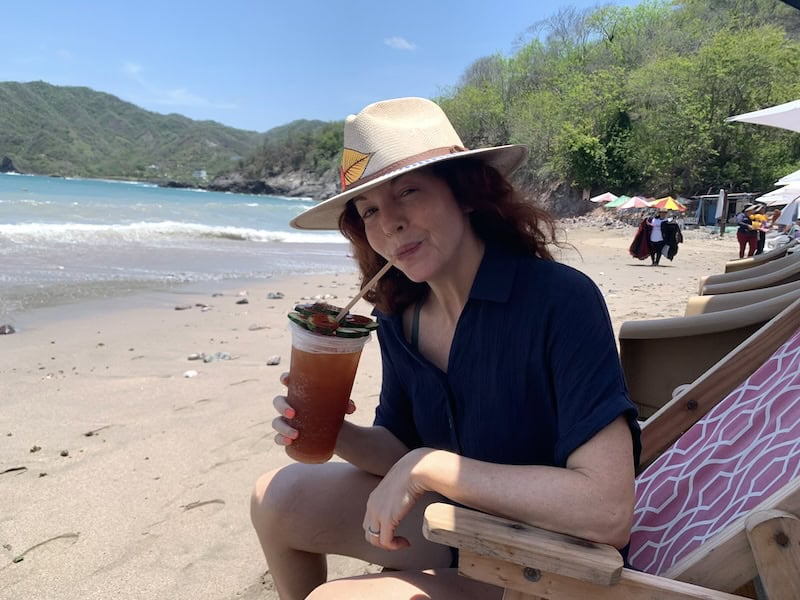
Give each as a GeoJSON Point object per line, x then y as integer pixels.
{"type": "Point", "coordinates": [668, 203]}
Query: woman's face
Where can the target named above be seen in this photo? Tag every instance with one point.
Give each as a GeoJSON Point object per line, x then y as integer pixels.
{"type": "Point", "coordinates": [416, 219]}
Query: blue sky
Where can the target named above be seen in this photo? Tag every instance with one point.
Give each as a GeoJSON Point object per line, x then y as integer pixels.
{"type": "Point", "coordinates": [258, 64]}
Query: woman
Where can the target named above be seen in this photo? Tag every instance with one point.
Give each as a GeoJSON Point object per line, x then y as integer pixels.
{"type": "Point", "coordinates": [745, 234]}
{"type": "Point", "coordinates": [501, 390]}
{"type": "Point", "coordinates": [656, 236]}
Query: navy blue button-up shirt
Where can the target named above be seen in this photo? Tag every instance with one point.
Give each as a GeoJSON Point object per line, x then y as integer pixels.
{"type": "Point", "coordinates": [533, 371]}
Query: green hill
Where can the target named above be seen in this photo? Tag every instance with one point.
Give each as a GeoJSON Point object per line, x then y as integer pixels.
{"type": "Point", "coordinates": [76, 131]}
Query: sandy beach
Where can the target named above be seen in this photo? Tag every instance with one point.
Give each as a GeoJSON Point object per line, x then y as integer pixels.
{"type": "Point", "coordinates": [121, 477]}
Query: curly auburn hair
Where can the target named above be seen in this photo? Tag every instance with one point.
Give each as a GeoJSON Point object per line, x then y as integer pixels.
{"type": "Point", "coordinates": [499, 215]}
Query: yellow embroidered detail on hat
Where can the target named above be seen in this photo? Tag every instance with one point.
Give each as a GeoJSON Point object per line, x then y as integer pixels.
{"type": "Point", "coordinates": [353, 165]}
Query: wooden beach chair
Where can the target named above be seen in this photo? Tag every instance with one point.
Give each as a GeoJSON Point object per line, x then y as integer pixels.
{"type": "Point", "coordinates": [776, 272]}
{"type": "Point", "coordinates": [698, 305]}
{"type": "Point", "coordinates": [716, 509]}
{"type": "Point", "coordinates": [753, 261]}
{"type": "Point", "coordinates": [658, 355]}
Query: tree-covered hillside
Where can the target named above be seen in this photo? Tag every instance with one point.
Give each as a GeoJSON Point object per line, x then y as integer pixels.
{"type": "Point", "coordinates": [76, 131]}
{"type": "Point", "coordinates": [634, 99]}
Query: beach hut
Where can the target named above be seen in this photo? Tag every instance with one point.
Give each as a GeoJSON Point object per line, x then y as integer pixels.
{"type": "Point", "coordinates": [603, 198]}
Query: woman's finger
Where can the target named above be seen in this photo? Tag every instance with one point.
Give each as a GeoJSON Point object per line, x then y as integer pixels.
{"type": "Point", "coordinates": [284, 431]}
{"type": "Point", "coordinates": [285, 378]}
{"type": "Point", "coordinates": [281, 405]}
{"type": "Point", "coordinates": [351, 407]}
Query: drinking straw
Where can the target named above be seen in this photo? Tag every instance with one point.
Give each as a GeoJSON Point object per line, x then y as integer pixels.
{"type": "Point", "coordinates": [365, 289]}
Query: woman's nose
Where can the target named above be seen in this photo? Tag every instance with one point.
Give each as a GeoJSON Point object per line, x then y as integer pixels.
{"type": "Point", "coordinates": [392, 221]}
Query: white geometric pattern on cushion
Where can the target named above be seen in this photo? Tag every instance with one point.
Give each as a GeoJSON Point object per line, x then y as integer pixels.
{"type": "Point", "coordinates": [745, 449]}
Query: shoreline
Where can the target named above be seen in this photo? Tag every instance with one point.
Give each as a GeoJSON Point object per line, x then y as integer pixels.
{"type": "Point", "coordinates": [123, 477]}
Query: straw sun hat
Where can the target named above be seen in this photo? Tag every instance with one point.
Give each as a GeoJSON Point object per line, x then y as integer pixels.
{"type": "Point", "coordinates": [392, 137]}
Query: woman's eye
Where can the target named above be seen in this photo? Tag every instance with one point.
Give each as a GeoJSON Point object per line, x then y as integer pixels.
{"type": "Point", "coordinates": [367, 213]}
{"type": "Point", "coordinates": [407, 191]}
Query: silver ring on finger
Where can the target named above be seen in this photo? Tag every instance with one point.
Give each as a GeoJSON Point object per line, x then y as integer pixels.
{"type": "Point", "coordinates": [373, 533]}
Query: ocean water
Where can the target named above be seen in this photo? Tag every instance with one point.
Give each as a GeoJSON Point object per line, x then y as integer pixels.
{"type": "Point", "coordinates": [62, 240]}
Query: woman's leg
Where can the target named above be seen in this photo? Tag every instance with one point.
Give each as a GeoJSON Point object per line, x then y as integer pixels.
{"type": "Point", "coordinates": [752, 241]}
{"type": "Point", "coordinates": [303, 512]}
{"type": "Point", "coordinates": [441, 584]}
{"type": "Point", "coordinates": [742, 239]}
{"type": "Point", "coordinates": [659, 250]}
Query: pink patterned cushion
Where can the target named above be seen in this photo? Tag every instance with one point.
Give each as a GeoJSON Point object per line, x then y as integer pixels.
{"type": "Point", "coordinates": [745, 449]}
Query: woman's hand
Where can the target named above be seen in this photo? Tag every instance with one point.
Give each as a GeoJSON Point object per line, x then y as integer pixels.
{"type": "Point", "coordinates": [286, 434]}
{"type": "Point", "coordinates": [392, 500]}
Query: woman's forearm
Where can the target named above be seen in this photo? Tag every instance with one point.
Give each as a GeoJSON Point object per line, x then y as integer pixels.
{"type": "Point", "coordinates": [371, 449]}
{"type": "Point", "coordinates": [592, 498]}
{"type": "Point", "coordinates": [550, 497]}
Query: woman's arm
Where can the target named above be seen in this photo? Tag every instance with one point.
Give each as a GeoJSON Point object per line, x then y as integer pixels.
{"type": "Point", "coordinates": [591, 498]}
{"type": "Point", "coordinates": [371, 449]}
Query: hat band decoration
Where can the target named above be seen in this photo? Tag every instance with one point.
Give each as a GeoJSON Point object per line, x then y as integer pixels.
{"type": "Point", "coordinates": [354, 164]}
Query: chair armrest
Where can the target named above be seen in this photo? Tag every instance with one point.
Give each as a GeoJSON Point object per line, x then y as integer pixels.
{"type": "Point", "coordinates": [521, 544]}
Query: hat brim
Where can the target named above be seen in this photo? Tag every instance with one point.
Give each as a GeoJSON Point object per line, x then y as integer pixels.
{"type": "Point", "coordinates": [325, 215]}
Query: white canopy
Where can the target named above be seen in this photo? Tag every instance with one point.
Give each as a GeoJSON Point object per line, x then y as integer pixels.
{"type": "Point", "coordinates": [781, 196]}
{"type": "Point", "coordinates": [790, 178]}
{"type": "Point", "coordinates": [785, 116]}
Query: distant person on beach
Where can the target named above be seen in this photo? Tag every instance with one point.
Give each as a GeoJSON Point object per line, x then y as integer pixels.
{"type": "Point", "coordinates": [673, 237]}
{"type": "Point", "coordinates": [656, 236]}
{"type": "Point", "coordinates": [760, 219]}
{"type": "Point", "coordinates": [649, 239]}
{"type": "Point", "coordinates": [746, 234]}
{"type": "Point", "coordinates": [502, 388]}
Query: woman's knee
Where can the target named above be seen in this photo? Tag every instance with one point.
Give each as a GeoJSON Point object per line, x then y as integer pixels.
{"type": "Point", "coordinates": [272, 496]}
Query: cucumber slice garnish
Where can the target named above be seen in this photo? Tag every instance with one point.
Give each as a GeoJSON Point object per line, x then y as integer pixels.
{"type": "Point", "coordinates": [299, 319]}
{"type": "Point", "coordinates": [351, 332]}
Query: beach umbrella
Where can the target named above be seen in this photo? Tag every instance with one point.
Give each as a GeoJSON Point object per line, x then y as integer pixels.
{"type": "Point", "coordinates": [668, 203]}
{"type": "Point", "coordinates": [790, 178]}
{"type": "Point", "coordinates": [615, 203]}
{"type": "Point", "coordinates": [635, 202]}
{"type": "Point", "coordinates": [789, 213]}
{"type": "Point", "coordinates": [604, 197]}
{"type": "Point", "coordinates": [784, 116]}
{"type": "Point", "coordinates": [781, 196]}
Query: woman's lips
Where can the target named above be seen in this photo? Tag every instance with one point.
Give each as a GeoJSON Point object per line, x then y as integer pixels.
{"type": "Point", "coordinates": [406, 250]}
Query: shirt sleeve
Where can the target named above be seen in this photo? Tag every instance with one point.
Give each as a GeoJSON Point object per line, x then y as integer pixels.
{"type": "Point", "coordinates": [587, 378]}
{"type": "Point", "coordinates": [394, 410]}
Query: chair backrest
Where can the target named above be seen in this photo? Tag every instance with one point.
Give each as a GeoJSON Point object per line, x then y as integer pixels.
{"type": "Point", "coordinates": [658, 355]}
{"type": "Point", "coordinates": [699, 305]}
{"type": "Point", "coordinates": [742, 452]}
{"type": "Point", "coordinates": [755, 271]}
{"type": "Point", "coordinates": [765, 277]}
{"type": "Point", "coordinates": [754, 261]}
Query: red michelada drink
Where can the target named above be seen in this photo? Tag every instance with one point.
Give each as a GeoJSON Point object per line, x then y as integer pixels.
{"type": "Point", "coordinates": [325, 355]}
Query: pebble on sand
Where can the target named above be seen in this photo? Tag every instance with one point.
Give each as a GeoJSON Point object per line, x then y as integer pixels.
{"type": "Point", "coordinates": [274, 360]}
{"type": "Point", "coordinates": [7, 329]}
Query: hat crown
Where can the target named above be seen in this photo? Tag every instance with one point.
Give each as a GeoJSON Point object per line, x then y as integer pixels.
{"type": "Point", "coordinates": [390, 134]}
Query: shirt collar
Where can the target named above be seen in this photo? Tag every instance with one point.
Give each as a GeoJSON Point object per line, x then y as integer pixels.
{"type": "Point", "coordinates": [495, 277]}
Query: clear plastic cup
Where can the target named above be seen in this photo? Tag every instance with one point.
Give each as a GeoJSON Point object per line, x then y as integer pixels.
{"type": "Point", "coordinates": [322, 371]}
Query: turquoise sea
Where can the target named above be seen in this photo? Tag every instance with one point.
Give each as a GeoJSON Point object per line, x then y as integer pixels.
{"type": "Point", "coordinates": [63, 240]}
